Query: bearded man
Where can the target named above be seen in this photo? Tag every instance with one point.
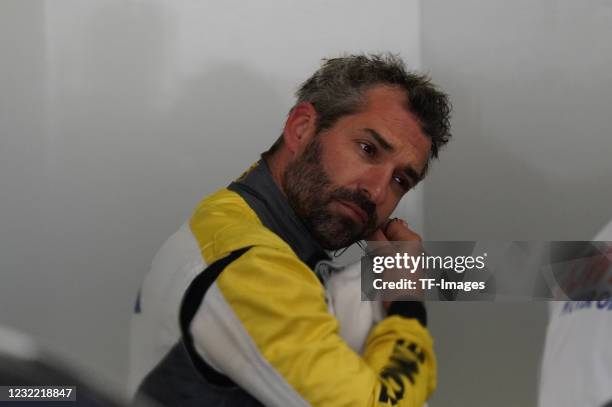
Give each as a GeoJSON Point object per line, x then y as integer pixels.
{"type": "Point", "coordinates": [234, 311]}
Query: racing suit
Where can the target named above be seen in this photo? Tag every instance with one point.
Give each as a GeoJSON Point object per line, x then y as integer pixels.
{"type": "Point", "coordinates": [233, 313]}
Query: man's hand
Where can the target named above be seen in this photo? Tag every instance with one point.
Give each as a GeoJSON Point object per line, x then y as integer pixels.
{"type": "Point", "coordinates": [397, 230]}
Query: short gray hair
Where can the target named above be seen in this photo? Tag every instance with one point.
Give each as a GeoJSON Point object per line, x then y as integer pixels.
{"type": "Point", "coordinates": [338, 88]}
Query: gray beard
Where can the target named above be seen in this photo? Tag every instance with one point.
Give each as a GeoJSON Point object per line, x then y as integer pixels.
{"type": "Point", "coordinates": [310, 192]}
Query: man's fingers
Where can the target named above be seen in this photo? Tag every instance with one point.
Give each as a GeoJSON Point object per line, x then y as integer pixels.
{"type": "Point", "coordinates": [398, 230]}
{"type": "Point", "coordinates": [377, 236]}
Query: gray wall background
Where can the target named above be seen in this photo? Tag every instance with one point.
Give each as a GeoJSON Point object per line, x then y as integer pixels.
{"type": "Point", "coordinates": [531, 84]}
{"type": "Point", "coordinates": [116, 117]}
{"type": "Point", "coordinates": [532, 88]}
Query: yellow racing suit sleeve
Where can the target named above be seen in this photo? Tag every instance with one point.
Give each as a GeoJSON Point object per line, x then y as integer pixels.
{"type": "Point", "coordinates": [265, 324]}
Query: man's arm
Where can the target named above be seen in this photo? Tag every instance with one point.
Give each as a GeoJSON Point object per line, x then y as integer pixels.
{"type": "Point", "coordinates": [264, 323]}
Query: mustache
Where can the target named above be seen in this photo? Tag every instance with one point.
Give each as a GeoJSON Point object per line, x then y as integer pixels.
{"type": "Point", "coordinates": [358, 198]}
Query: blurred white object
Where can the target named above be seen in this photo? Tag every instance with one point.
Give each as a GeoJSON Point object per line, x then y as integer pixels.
{"type": "Point", "coordinates": [605, 234]}
{"type": "Point", "coordinates": [17, 344]}
{"type": "Point", "coordinates": [577, 362]}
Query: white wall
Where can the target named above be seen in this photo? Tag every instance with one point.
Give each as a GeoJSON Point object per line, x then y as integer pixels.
{"type": "Point", "coordinates": [116, 117]}
{"type": "Point", "coordinates": [532, 88]}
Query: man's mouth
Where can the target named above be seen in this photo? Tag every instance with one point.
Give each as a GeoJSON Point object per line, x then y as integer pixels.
{"type": "Point", "coordinates": [354, 211]}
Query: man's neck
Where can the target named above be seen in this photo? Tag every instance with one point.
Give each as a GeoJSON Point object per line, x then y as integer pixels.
{"type": "Point", "coordinates": [277, 163]}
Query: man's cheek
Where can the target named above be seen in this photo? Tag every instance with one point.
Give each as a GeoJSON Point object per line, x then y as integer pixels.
{"type": "Point", "coordinates": [384, 211]}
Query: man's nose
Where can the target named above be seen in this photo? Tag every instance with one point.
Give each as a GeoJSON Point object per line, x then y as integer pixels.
{"type": "Point", "coordinates": [375, 184]}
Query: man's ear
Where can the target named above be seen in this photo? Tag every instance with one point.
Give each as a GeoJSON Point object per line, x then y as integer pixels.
{"type": "Point", "coordinates": [300, 126]}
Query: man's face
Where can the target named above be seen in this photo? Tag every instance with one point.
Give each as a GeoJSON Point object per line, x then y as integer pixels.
{"type": "Point", "coordinates": [347, 180]}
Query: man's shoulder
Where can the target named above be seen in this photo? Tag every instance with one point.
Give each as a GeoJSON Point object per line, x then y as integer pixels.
{"type": "Point", "coordinates": [224, 222]}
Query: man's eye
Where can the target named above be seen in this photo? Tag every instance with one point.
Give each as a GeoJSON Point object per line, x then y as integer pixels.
{"type": "Point", "coordinates": [403, 183]}
{"type": "Point", "coordinates": [368, 148]}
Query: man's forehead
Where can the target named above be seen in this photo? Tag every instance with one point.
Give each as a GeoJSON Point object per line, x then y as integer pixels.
{"type": "Point", "coordinates": [390, 105]}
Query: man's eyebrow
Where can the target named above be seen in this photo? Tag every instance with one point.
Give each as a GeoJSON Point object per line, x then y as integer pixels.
{"type": "Point", "coordinates": [413, 175]}
{"type": "Point", "coordinates": [380, 140]}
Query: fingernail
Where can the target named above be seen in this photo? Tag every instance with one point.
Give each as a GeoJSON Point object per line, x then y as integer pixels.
{"type": "Point", "coordinates": [388, 223]}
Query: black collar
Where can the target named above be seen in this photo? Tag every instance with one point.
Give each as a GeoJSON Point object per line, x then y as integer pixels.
{"type": "Point", "coordinates": [259, 190]}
